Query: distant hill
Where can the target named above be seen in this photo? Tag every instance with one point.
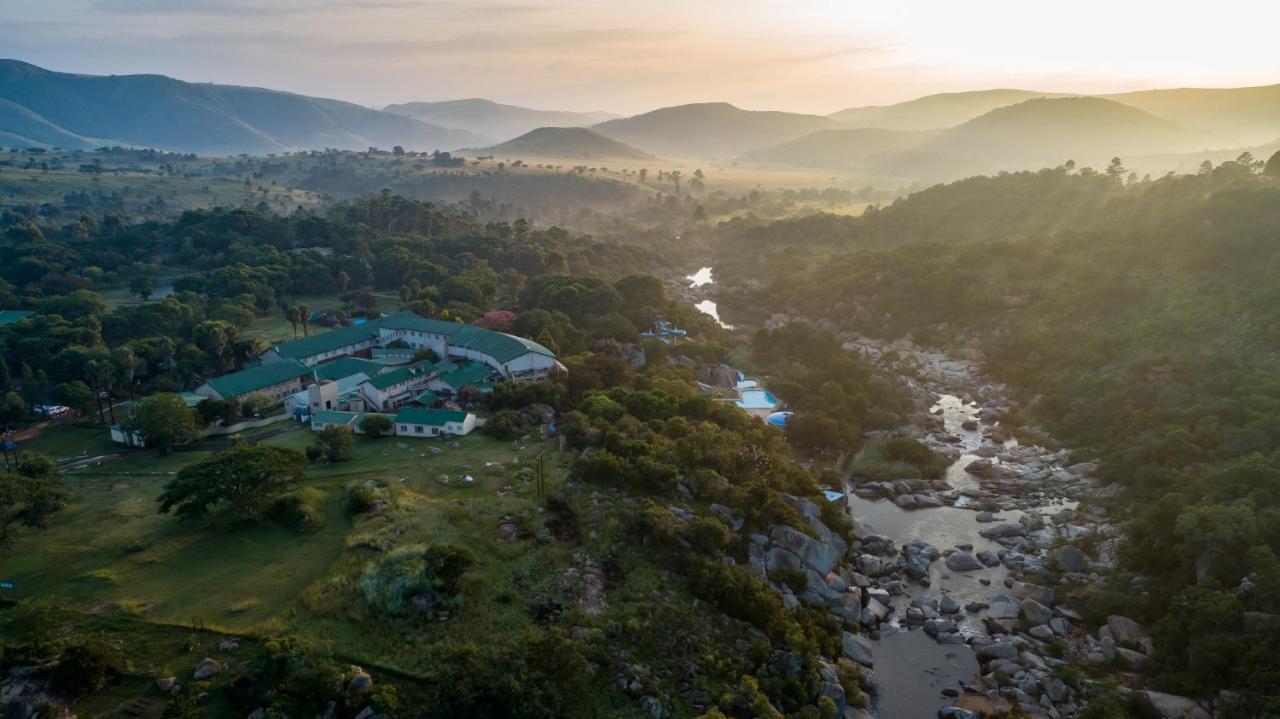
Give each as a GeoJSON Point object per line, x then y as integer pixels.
{"type": "Point", "coordinates": [839, 149]}
{"type": "Point", "coordinates": [1040, 132]}
{"type": "Point", "coordinates": [1229, 117]}
{"type": "Point", "coordinates": [39, 107]}
{"type": "Point", "coordinates": [934, 112]}
{"type": "Point", "coordinates": [713, 129]}
{"type": "Point", "coordinates": [570, 143]}
{"type": "Point", "coordinates": [494, 120]}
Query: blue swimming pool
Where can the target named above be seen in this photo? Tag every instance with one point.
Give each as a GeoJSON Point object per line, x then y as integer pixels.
{"type": "Point", "coordinates": [757, 399]}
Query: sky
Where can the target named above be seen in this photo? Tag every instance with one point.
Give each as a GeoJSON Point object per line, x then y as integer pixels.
{"type": "Point", "coordinates": [631, 56]}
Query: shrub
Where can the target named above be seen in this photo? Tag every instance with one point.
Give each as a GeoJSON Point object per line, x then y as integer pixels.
{"type": "Point", "coordinates": [931, 464]}
{"type": "Point", "coordinates": [707, 535]}
{"type": "Point", "coordinates": [376, 425]}
{"type": "Point", "coordinates": [360, 499]}
{"type": "Point", "coordinates": [297, 511]}
{"type": "Point", "coordinates": [87, 666]}
{"type": "Point", "coordinates": [335, 442]}
{"type": "Point", "coordinates": [505, 425]}
{"type": "Point", "coordinates": [796, 579]}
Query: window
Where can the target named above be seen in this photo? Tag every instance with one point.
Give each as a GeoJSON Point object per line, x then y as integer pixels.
{"type": "Point", "coordinates": [418, 428]}
{"type": "Point", "coordinates": [404, 428]}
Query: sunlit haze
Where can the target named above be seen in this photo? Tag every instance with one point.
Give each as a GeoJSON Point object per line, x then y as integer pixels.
{"type": "Point", "coordinates": [625, 57]}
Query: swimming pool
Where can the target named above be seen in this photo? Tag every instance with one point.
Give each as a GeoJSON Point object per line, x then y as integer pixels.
{"type": "Point", "coordinates": [757, 399]}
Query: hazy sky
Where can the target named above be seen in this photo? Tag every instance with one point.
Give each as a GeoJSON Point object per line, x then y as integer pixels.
{"type": "Point", "coordinates": [801, 55]}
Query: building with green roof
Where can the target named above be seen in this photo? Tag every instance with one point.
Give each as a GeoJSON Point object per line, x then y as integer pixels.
{"type": "Point", "coordinates": [514, 358]}
{"type": "Point", "coordinates": [419, 422]}
{"type": "Point", "coordinates": [347, 367]}
{"type": "Point", "coordinates": [276, 380]}
{"type": "Point", "coordinates": [340, 342]}
{"type": "Point", "coordinates": [323, 419]}
{"type": "Point", "coordinates": [471, 374]}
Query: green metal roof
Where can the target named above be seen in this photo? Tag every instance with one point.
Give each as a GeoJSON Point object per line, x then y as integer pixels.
{"type": "Point", "coordinates": [474, 373]}
{"type": "Point", "coordinates": [432, 417]}
{"type": "Point", "coordinates": [498, 345]}
{"type": "Point", "coordinates": [331, 417]}
{"type": "Point", "coordinates": [387, 379]}
{"type": "Point", "coordinates": [346, 367]}
{"type": "Point", "coordinates": [260, 377]}
{"type": "Point", "coordinates": [8, 317]}
{"type": "Point", "coordinates": [327, 341]}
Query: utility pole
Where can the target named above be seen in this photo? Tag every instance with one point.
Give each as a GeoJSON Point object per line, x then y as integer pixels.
{"type": "Point", "coordinates": [542, 477]}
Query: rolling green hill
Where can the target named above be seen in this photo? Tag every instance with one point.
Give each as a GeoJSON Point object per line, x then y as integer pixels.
{"type": "Point", "coordinates": [1051, 131]}
{"type": "Point", "coordinates": [39, 107]}
{"type": "Point", "coordinates": [570, 143]}
{"type": "Point", "coordinates": [839, 149]}
{"type": "Point", "coordinates": [933, 112]}
{"type": "Point", "coordinates": [712, 129]}
{"type": "Point", "coordinates": [1231, 117]}
{"type": "Point", "coordinates": [494, 120]}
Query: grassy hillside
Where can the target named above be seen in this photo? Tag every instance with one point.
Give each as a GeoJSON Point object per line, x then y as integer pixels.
{"type": "Point", "coordinates": [713, 129]}
{"type": "Point", "coordinates": [934, 111]}
{"type": "Point", "coordinates": [1232, 117]}
{"type": "Point", "coordinates": [566, 142]}
{"type": "Point", "coordinates": [1051, 131]}
{"type": "Point", "coordinates": [840, 149]}
{"type": "Point", "coordinates": [44, 108]}
{"type": "Point", "coordinates": [494, 120]}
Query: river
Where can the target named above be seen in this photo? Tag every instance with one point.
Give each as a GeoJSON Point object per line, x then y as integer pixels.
{"type": "Point", "coordinates": [702, 278]}
{"type": "Point", "coordinates": [912, 670]}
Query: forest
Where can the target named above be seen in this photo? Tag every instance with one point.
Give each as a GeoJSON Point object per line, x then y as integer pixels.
{"type": "Point", "coordinates": [1138, 320]}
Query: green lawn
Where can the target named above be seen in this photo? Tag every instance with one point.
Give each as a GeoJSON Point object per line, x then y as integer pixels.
{"type": "Point", "coordinates": [65, 441]}
{"type": "Point", "coordinates": [112, 547]}
{"type": "Point", "coordinates": [275, 328]}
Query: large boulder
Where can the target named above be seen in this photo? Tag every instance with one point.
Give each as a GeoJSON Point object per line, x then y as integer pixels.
{"type": "Point", "coordinates": [1175, 707]}
{"type": "Point", "coordinates": [817, 555]}
{"type": "Point", "coordinates": [1070, 559]}
{"type": "Point", "coordinates": [1000, 531]}
{"type": "Point", "coordinates": [207, 668]}
{"type": "Point", "coordinates": [962, 562]}
{"type": "Point", "coordinates": [1034, 613]}
{"type": "Point", "coordinates": [1125, 630]}
{"type": "Point", "coordinates": [857, 649]}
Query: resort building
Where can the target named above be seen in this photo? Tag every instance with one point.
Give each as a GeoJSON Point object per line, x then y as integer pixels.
{"type": "Point", "coordinates": [418, 422]}
{"type": "Point", "coordinates": [277, 380]}
{"type": "Point", "coordinates": [408, 422]}
{"type": "Point", "coordinates": [514, 358]}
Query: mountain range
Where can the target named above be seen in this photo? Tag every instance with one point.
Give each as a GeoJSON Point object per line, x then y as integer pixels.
{"type": "Point", "coordinates": [493, 120]}
{"type": "Point", "coordinates": [933, 137]}
{"type": "Point", "coordinates": [39, 107]}
{"type": "Point", "coordinates": [569, 143]}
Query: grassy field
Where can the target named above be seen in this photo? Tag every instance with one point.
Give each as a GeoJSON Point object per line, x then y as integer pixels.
{"type": "Point", "coordinates": [133, 190]}
{"type": "Point", "coordinates": [112, 547]}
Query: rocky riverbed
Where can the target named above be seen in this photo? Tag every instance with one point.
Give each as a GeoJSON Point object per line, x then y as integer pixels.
{"type": "Point", "coordinates": [966, 581]}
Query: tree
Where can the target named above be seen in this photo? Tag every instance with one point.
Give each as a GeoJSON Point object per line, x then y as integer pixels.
{"type": "Point", "coordinates": [641, 290]}
{"type": "Point", "coordinates": [245, 479]}
{"type": "Point", "coordinates": [1273, 166]}
{"type": "Point", "coordinates": [294, 315]}
{"type": "Point", "coordinates": [335, 442]}
{"type": "Point", "coordinates": [143, 286]}
{"type": "Point", "coordinates": [376, 425]}
{"type": "Point", "coordinates": [1116, 169]}
{"type": "Point", "coordinates": [75, 395]}
{"type": "Point", "coordinates": [28, 499]}
{"type": "Point", "coordinates": [164, 420]}
{"type": "Point", "coordinates": [212, 409]}
{"type": "Point", "coordinates": [304, 316]}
